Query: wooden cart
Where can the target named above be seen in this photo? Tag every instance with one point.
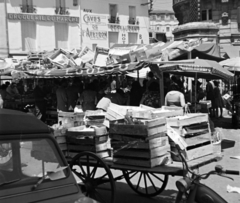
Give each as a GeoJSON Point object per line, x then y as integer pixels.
{"type": "Point", "coordinates": [94, 172]}
{"type": "Point", "coordinates": [150, 181]}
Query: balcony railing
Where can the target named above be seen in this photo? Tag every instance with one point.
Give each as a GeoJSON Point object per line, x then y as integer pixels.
{"type": "Point", "coordinates": [28, 9]}
{"type": "Point", "coordinates": [61, 11]}
{"type": "Point", "coordinates": [113, 19]}
{"type": "Point", "coordinates": [133, 21]}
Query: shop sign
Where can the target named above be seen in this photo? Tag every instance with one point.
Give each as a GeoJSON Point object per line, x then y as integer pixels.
{"type": "Point", "coordinates": [96, 34]}
{"type": "Point", "coordinates": [45, 18]}
{"type": "Point", "coordinates": [123, 28]}
{"type": "Point", "coordinates": [94, 19]}
{"type": "Point", "coordinates": [195, 68]}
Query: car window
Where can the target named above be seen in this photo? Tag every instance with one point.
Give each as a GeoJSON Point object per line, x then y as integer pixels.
{"type": "Point", "coordinates": [28, 159]}
{"type": "Point", "coordinates": [39, 157]}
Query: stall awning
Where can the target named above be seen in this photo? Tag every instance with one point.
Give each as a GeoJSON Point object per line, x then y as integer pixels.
{"type": "Point", "coordinates": [231, 51]}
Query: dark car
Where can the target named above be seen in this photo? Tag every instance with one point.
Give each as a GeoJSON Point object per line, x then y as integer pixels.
{"type": "Point", "coordinates": [32, 166]}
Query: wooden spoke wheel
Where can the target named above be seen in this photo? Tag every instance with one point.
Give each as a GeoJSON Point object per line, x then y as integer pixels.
{"type": "Point", "coordinates": [147, 184]}
{"type": "Point", "coordinates": [96, 176]}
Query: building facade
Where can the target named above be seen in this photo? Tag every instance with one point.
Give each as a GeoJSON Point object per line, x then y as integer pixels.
{"type": "Point", "coordinates": [162, 24]}
{"type": "Point", "coordinates": [32, 25]}
{"type": "Point", "coordinates": [109, 22]}
{"type": "Point", "coordinates": [41, 25]}
{"type": "Point", "coordinates": [224, 13]}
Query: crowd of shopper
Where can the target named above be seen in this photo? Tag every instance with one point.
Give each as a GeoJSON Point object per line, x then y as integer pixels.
{"type": "Point", "coordinates": [67, 93]}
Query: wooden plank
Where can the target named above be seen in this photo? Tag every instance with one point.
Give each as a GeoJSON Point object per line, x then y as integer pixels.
{"type": "Point", "coordinates": [167, 114]}
{"type": "Point", "coordinates": [126, 129]}
{"type": "Point", "coordinates": [127, 138]}
{"type": "Point", "coordinates": [199, 152]}
{"type": "Point", "coordinates": [103, 154]}
{"type": "Point", "coordinates": [198, 139]}
{"type": "Point", "coordinates": [154, 122]}
{"type": "Point", "coordinates": [186, 120]}
{"type": "Point", "coordinates": [84, 147]}
{"type": "Point", "coordinates": [145, 154]}
{"type": "Point", "coordinates": [163, 160]}
{"type": "Point", "coordinates": [87, 140]}
{"type": "Point", "coordinates": [156, 130]}
{"type": "Point", "coordinates": [159, 141]}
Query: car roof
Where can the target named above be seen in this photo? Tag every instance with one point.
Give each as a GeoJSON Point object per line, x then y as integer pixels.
{"type": "Point", "coordinates": [17, 122]}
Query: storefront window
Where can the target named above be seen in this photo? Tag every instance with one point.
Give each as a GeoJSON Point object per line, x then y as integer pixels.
{"type": "Point", "coordinates": [28, 36]}
{"type": "Point", "coordinates": [61, 35]}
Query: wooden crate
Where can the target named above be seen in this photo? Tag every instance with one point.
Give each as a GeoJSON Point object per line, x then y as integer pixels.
{"type": "Point", "coordinates": [146, 129]}
{"type": "Point", "coordinates": [80, 139]}
{"type": "Point", "coordinates": [194, 129]}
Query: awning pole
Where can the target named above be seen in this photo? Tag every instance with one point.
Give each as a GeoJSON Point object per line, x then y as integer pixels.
{"type": "Point", "coordinates": [196, 92]}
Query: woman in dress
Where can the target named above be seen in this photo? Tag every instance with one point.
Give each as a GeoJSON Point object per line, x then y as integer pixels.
{"type": "Point", "coordinates": [218, 102]}
{"type": "Point", "coordinates": [152, 96]}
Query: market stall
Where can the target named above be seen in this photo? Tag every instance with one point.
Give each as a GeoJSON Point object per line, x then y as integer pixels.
{"type": "Point", "coordinates": [195, 68]}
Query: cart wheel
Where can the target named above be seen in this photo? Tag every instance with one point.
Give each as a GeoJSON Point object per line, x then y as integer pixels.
{"type": "Point", "coordinates": [146, 183]}
{"type": "Point", "coordinates": [95, 175]}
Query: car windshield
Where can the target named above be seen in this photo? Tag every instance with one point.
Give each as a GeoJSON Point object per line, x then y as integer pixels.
{"type": "Point", "coordinates": [29, 159]}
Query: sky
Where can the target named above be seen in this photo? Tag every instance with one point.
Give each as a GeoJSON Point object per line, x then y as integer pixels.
{"type": "Point", "coordinates": [162, 5]}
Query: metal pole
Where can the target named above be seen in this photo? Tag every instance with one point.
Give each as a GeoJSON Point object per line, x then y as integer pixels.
{"type": "Point", "coordinates": [6, 21]}
{"type": "Point", "coordinates": [81, 30]}
{"type": "Point", "coordinates": [196, 92]}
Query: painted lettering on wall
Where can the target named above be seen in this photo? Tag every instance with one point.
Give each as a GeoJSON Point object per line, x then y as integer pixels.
{"type": "Point", "coordinates": [123, 28]}
{"type": "Point", "coordinates": [87, 10]}
{"type": "Point", "coordinates": [50, 18]}
{"type": "Point", "coordinates": [95, 34]}
{"type": "Point", "coordinates": [94, 19]}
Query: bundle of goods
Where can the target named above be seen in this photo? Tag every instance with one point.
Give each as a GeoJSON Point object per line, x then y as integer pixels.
{"type": "Point", "coordinates": [140, 142]}
{"type": "Point", "coordinates": [70, 119]}
{"type": "Point", "coordinates": [94, 118]}
{"type": "Point", "coordinates": [194, 131]}
{"type": "Point", "coordinates": [93, 139]}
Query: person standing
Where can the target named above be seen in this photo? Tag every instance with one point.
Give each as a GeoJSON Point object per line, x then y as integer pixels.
{"type": "Point", "coordinates": [218, 102]}
{"type": "Point", "coordinates": [62, 96]}
{"type": "Point", "coordinates": [135, 95]}
{"type": "Point", "coordinates": [72, 95]}
{"type": "Point", "coordinates": [40, 94]}
{"type": "Point", "coordinates": [174, 97]}
{"type": "Point", "coordinates": [89, 98]}
{"type": "Point", "coordinates": [210, 96]}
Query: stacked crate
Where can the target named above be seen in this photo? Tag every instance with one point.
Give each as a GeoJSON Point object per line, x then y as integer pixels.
{"type": "Point", "coordinates": [142, 144]}
{"type": "Point", "coordinates": [194, 129]}
{"type": "Point", "coordinates": [80, 139]}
